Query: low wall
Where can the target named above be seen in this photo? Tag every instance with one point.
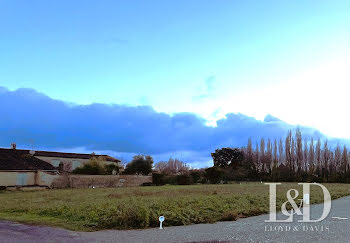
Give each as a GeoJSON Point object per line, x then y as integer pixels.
{"type": "Point", "coordinates": [88, 181]}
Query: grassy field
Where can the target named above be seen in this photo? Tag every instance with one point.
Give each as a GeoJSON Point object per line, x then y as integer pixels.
{"type": "Point", "coordinates": [140, 207]}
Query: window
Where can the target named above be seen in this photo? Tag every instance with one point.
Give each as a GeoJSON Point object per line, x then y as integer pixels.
{"type": "Point", "coordinates": [55, 162]}
{"type": "Point", "coordinates": [76, 164]}
{"type": "Point", "coordinates": [21, 179]}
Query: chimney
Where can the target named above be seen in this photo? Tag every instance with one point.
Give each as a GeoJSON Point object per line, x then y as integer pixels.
{"type": "Point", "coordinates": [13, 146]}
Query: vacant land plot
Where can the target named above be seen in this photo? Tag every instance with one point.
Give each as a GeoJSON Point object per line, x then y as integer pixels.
{"type": "Point", "coordinates": [134, 208]}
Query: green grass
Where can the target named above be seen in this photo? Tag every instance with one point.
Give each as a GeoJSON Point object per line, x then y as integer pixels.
{"type": "Point", "coordinates": [140, 207]}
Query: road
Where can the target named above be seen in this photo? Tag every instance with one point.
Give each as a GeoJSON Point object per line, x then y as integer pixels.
{"type": "Point", "coordinates": [253, 229]}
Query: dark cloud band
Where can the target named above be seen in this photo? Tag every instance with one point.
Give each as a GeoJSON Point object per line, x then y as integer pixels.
{"type": "Point", "coordinates": [28, 116]}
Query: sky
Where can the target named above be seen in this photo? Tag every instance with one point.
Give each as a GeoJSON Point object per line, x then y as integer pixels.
{"type": "Point", "coordinates": [205, 61]}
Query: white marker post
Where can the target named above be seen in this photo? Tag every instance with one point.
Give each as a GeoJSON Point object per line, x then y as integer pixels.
{"type": "Point", "coordinates": [161, 219]}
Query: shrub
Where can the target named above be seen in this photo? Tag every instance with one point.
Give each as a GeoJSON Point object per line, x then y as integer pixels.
{"type": "Point", "coordinates": [95, 166]}
{"type": "Point", "coordinates": [111, 167]}
{"type": "Point", "coordinates": [184, 179]}
{"type": "Point", "coordinates": [147, 184]}
{"type": "Point", "coordinates": [196, 176]}
{"type": "Point", "coordinates": [214, 175]}
{"type": "Point", "coordinates": [171, 179]}
{"type": "Point", "coordinates": [158, 179]}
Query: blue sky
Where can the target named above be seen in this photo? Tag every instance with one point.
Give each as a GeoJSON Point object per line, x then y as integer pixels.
{"type": "Point", "coordinates": [208, 58]}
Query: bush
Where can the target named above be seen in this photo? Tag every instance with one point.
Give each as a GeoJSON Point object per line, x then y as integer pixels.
{"type": "Point", "coordinates": [196, 176]}
{"type": "Point", "coordinates": [158, 179]}
{"type": "Point", "coordinates": [95, 166]}
{"type": "Point", "coordinates": [111, 167]}
{"type": "Point", "coordinates": [147, 184]}
{"type": "Point", "coordinates": [214, 175]}
{"type": "Point", "coordinates": [171, 180]}
{"type": "Point", "coordinates": [184, 179]}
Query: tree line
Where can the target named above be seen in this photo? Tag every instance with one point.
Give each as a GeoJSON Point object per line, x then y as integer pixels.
{"type": "Point", "coordinates": [286, 159]}
{"type": "Point", "coordinates": [289, 159]}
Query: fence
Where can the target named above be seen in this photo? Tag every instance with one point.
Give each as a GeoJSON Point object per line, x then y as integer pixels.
{"type": "Point", "coordinates": [89, 181]}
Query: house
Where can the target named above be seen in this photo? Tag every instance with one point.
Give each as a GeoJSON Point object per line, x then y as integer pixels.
{"type": "Point", "coordinates": [66, 161]}
{"type": "Point", "coordinates": [20, 169]}
{"type": "Point", "coordinates": [71, 161]}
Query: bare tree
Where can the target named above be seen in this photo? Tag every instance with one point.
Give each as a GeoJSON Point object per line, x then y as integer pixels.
{"type": "Point", "coordinates": [161, 166]}
{"type": "Point", "coordinates": [269, 155]}
{"type": "Point", "coordinates": [325, 158]}
{"type": "Point", "coordinates": [293, 154]}
{"type": "Point", "coordinates": [298, 157]}
{"type": "Point", "coordinates": [262, 154]}
{"type": "Point", "coordinates": [288, 151]}
{"type": "Point", "coordinates": [312, 157]}
{"type": "Point", "coordinates": [275, 155]}
{"type": "Point", "coordinates": [249, 147]}
{"type": "Point", "coordinates": [337, 159]}
{"type": "Point", "coordinates": [280, 151]}
{"type": "Point", "coordinates": [306, 159]}
{"type": "Point", "coordinates": [299, 150]}
{"type": "Point", "coordinates": [175, 167]}
{"type": "Point", "coordinates": [250, 155]}
{"type": "Point", "coordinates": [318, 157]}
{"type": "Point", "coordinates": [344, 160]}
{"type": "Point", "coordinates": [257, 157]}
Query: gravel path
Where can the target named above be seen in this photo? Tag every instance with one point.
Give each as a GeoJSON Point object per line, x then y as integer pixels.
{"type": "Point", "coordinates": [253, 229]}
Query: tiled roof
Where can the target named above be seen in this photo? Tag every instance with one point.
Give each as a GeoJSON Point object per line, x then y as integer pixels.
{"type": "Point", "coordinates": [65, 155]}
{"type": "Point", "coordinates": [17, 160]}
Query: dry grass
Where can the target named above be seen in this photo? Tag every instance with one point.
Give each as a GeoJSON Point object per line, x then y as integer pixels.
{"type": "Point", "coordinates": [134, 208]}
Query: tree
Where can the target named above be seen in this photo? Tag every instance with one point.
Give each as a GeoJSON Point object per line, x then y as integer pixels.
{"type": "Point", "coordinates": [228, 157]}
{"type": "Point", "coordinates": [318, 157]}
{"type": "Point", "coordinates": [288, 151]}
{"type": "Point", "coordinates": [257, 157]}
{"type": "Point", "coordinates": [306, 157]}
{"type": "Point", "coordinates": [249, 162]}
{"type": "Point", "coordinates": [293, 155]}
{"type": "Point", "coordinates": [176, 167]}
{"type": "Point", "coordinates": [139, 165]}
{"type": "Point", "coordinates": [172, 167]}
{"type": "Point", "coordinates": [280, 151]}
{"type": "Point", "coordinates": [344, 160]}
{"type": "Point", "coordinates": [161, 166]}
{"type": "Point", "coordinates": [275, 161]}
{"type": "Point", "coordinates": [325, 157]}
{"type": "Point", "coordinates": [262, 154]}
{"type": "Point", "coordinates": [311, 157]}
{"type": "Point", "coordinates": [299, 150]}
{"type": "Point", "coordinates": [268, 160]}
{"type": "Point", "coordinates": [337, 159]}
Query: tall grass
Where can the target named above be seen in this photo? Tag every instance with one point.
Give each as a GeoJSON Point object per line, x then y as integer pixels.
{"type": "Point", "coordinates": [135, 208]}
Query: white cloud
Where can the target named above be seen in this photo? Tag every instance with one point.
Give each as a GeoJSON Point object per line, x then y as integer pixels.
{"type": "Point", "coordinates": [317, 98]}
